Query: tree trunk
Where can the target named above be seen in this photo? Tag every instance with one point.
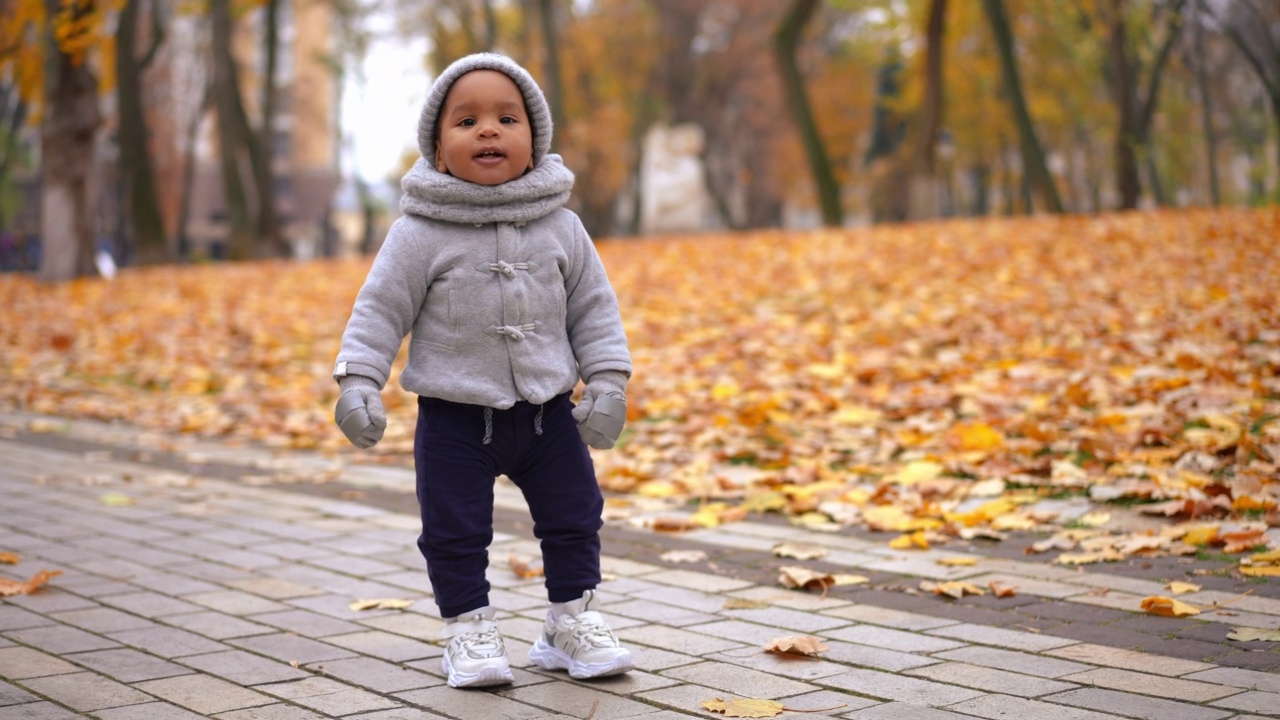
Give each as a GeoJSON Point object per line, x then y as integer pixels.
{"type": "Point", "coordinates": [189, 169]}
{"type": "Point", "coordinates": [923, 198]}
{"type": "Point", "coordinates": [1206, 111]}
{"type": "Point", "coordinates": [67, 133]}
{"type": "Point", "coordinates": [235, 138]}
{"type": "Point", "coordinates": [1122, 93]}
{"type": "Point", "coordinates": [271, 243]}
{"type": "Point", "coordinates": [1032, 153]}
{"type": "Point", "coordinates": [145, 223]}
{"type": "Point", "coordinates": [12, 127]}
{"type": "Point", "coordinates": [786, 39]}
{"type": "Point", "coordinates": [553, 83]}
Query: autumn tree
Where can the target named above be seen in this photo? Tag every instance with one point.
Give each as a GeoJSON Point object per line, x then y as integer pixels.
{"type": "Point", "coordinates": [787, 39]}
{"type": "Point", "coordinates": [1254, 29]}
{"type": "Point", "coordinates": [143, 207]}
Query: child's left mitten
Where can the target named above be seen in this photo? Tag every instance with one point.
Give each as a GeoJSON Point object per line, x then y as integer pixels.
{"type": "Point", "coordinates": [359, 412]}
{"type": "Point", "coordinates": [602, 413]}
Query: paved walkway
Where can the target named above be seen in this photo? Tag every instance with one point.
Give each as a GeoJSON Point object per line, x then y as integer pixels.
{"type": "Point", "coordinates": [200, 581]}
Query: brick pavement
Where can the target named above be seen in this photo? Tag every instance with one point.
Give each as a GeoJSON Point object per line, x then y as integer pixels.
{"type": "Point", "coordinates": [223, 590]}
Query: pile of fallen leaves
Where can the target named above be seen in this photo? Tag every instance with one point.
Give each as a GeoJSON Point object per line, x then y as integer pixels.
{"type": "Point", "coordinates": [939, 379]}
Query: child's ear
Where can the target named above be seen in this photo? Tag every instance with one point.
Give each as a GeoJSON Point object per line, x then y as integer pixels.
{"type": "Point", "coordinates": [440, 159]}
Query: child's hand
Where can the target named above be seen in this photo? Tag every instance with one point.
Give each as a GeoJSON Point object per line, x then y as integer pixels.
{"type": "Point", "coordinates": [359, 413]}
{"type": "Point", "coordinates": [603, 410]}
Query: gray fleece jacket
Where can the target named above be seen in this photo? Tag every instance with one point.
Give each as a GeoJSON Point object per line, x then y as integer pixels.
{"type": "Point", "coordinates": [500, 286]}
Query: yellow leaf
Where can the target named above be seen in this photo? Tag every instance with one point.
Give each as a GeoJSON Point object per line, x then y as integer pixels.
{"type": "Point", "coordinates": [796, 645]}
{"type": "Point", "coordinates": [1271, 556]}
{"type": "Point", "coordinates": [958, 561]}
{"type": "Point", "coordinates": [1181, 588]}
{"type": "Point", "coordinates": [1246, 634]}
{"type": "Point", "coordinates": [658, 489]}
{"type": "Point", "coordinates": [856, 416]}
{"type": "Point", "coordinates": [1094, 519]}
{"type": "Point", "coordinates": [8, 558]}
{"type": "Point", "coordinates": [956, 589]}
{"type": "Point", "coordinates": [744, 604]}
{"type": "Point", "coordinates": [800, 551]}
{"type": "Point", "coordinates": [847, 579]}
{"type": "Point", "coordinates": [524, 568]}
{"type": "Point", "coordinates": [918, 471]}
{"type": "Point", "coordinates": [914, 540]}
{"type": "Point", "coordinates": [1168, 607]}
{"type": "Point", "coordinates": [1200, 534]}
{"type": "Point", "coordinates": [1261, 570]}
{"type": "Point", "coordinates": [683, 556]}
{"type": "Point", "coordinates": [744, 708]}
{"type": "Point", "coordinates": [115, 499]}
{"type": "Point", "coordinates": [974, 436]}
{"type": "Point", "coordinates": [380, 604]}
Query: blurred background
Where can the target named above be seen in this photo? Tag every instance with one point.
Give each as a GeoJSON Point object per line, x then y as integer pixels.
{"type": "Point", "coordinates": [142, 132]}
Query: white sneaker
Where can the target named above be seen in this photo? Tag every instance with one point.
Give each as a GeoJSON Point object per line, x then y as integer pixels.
{"type": "Point", "coordinates": [579, 641]}
{"type": "Point", "coordinates": [475, 655]}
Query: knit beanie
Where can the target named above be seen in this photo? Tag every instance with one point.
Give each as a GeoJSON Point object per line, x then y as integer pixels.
{"type": "Point", "coordinates": [534, 101]}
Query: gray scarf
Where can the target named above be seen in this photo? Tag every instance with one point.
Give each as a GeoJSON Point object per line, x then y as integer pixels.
{"type": "Point", "coordinates": [440, 196]}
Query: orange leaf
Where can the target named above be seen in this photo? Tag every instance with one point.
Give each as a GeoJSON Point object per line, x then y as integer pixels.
{"type": "Point", "coordinates": [1168, 607]}
{"type": "Point", "coordinates": [9, 588]}
{"type": "Point", "coordinates": [796, 645]}
{"type": "Point", "coordinates": [523, 568]}
{"type": "Point", "coordinates": [1001, 591]}
{"type": "Point", "coordinates": [8, 558]}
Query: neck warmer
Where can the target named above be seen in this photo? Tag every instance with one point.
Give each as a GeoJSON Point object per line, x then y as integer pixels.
{"type": "Point", "coordinates": [440, 196]}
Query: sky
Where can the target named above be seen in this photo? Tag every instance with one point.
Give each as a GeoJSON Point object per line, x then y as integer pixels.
{"type": "Point", "coordinates": [380, 110]}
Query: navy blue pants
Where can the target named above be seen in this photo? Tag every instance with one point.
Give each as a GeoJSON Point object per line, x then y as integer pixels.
{"type": "Point", "coordinates": [543, 454]}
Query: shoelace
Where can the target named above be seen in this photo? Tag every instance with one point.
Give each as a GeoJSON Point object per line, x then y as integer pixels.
{"type": "Point", "coordinates": [480, 643]}
{"type": "Point", "coordinates": [590, 628]}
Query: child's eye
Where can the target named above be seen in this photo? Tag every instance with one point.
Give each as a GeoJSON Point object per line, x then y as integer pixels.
{"type": "Point", "coordinates": [508, 120]}
{"type": "Point", "coordinates": [467, 122]}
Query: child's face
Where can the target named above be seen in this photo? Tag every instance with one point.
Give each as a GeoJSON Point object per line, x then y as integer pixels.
{"type": "Point", "coordinates": [484, 135]}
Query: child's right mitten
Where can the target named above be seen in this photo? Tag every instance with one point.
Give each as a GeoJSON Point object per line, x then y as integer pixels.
{"type": "Point", "coordinates": [359, 412]}
{"type": "Point", "coordinates": [603, 410]}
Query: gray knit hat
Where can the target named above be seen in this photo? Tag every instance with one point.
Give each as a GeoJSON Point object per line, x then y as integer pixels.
{"type": "Point", "coordinates": [534, 101]}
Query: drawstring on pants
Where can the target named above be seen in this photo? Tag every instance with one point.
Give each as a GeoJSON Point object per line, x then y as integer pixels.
{"type": "Point", "coordinates": [488, 424]}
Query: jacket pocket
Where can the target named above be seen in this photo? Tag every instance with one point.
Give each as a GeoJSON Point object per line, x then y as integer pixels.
{"type": "Point", "coordinates": [437, 324]}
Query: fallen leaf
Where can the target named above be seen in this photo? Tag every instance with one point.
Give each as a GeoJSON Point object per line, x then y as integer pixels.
{"type": "Point", "coordinates": [380, 604]}
{"type": "Point", "coordinates": [800, 551]}
{"type": "Point", "coordinates": [1094, 519]}
{"type": "Point", "coordinates": [1261, 571]}
{"type": "Point", "coordinates": [955, 589]}
{"type": "Point", "coordinates": [744, 604]}
{"type": "Point", "coordinates": [1168, 607]}
{"type": "Point", "coordinates": [1001, 591]}
{"type": "Point", "coordinates": [523, 568]}
{"type": "Point", "coordinates": [914, 540]}
{"type": "Point", "coordinates": [798, 577]}
{"type": "Point", "coordinates": [1242, 540]}
{"type": "Point", "coordinates": [681, 556]}
{"type": "Point", "coordinates": [958, 561]}
{"type": "Point", "coordinates": [9, 588]}
{"type": "Point", "coordinates": [8, 558]}
{"type": "Point", "coordinates": [847, 579]}
{"type": "Point", "coordinates": [673, 524]}
{"type": "Point", "coordinates": [796, 645]}
{"type": "Point", "coordinates": [115, 499]}
{"type": "Point", "coordinates": [1248, 634]}
{"type": "Point", "coordinates": [744, 708]}
{"type": "Point", "coordinates": [1181, 588]}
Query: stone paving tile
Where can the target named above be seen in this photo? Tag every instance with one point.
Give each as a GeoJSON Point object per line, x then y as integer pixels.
{"type": "Point", "coordinates": [305, 623]}
{"type": "Point", "coordinates": [204, 694]}
{"type": "Point", "coordinates": [889, 617]}
{"type": "Point", "coordinates": [1003, 707]}
{"type": "Point", "coordinates": [991, 680]}
{"type": "Point", "coordinates": [148, 711]}
{"type": "Point", "coordinates": [329, 696]}
{"type": "Point", "coordinates": [85, 691]}
{"type": "Point", "coordinates": [339, 606]}
{"type": "Point", "coordinates": [825, 703]}
{"type": "Point", "coordinates": [658, 613]}
{"type": "Point", "coordinates": [796, 620]}
{"type": "Point", "coordinates": [171, 583]}
{"type": "Point", "coordinates": [291, 648]}
{"type": "Point", "coordinates": [11, 695]}
{"type": "Point", "coordinates": [737, 679]}
{"type": "Point", "coordinates": [697, 581]}
{"type": "Point", "coordinates": [691, 599]}
{"type": "Point", "coordinates": [1008, 639]}
{"type": "Point", "coordinates": [674, 639]}
{"type": "Point", "coordinates": [1254, 701]}
{"type": "Point", "coordinates": [892, 639]}
{"type": "Point", "coordinates": [102, 620]}
{"type": "Point", "coordinates": [745, 632]}
{"type": "Point", "coordinates": [20, 663]}
{"type": "Point", "coordinates": [888, 686]}
{"type": "Point", "coordinates": [60, 639]}
{"type": "Point", "coordinates": [50, 600]}
{"type": "Point", "coordinates": [904, 711]}
{"type": "Point", "coordinates": [1235, 677]}
{"type": "Point", "coordinates": [127, 665]}
{"type": "Point", "coordinates": [655, 659]}
{"type": "Point", "coordinates": [1129, 659]}
{"type": "Point", "coordinates": [1025, 663]}
{"type": "Point", "coordinates": [796, 667]}
{"type": "Point", "coordinates": [150, 604]}
{"type": "Point", "coordinates": [168, 642]}
{"type": "Point", "coordinates": [217, 625]}
{"type": "Point", "coordinates": [414, 625]}
{"type": "Point", "coordinates": [384, 645]}
{"type": "Point", "coordinates": [400, 713]}
{"type": "Point", "coordinates": [15, 618]}
{"type": "Point", "coordinates": [376, 675]}
{"type": "Point", "coordinates": [235, 602]}
{"type": "Point", "coordinates": [873, 657]}
{"type": "Point", "coordinates": [37, 711]}
{"type": "Point", "coordinates": [244, 668]}
{"type": "Point", "coordinates": [1029, 586]}
{"type": "Point", "coordinates": [1138, 706]}
{"type": "Point", "coordinates": [685, 699]}
{"type": "Point", "coordinates": [1134, 586]}
{"type": "Point", "coordinates": [1145, 684]}
{"type": "Point", "coordinates": [471, 705]}
{"type": "Point", "coordinates": [578, 701]}
{"type": "Point", "coordinates": [794, 600]}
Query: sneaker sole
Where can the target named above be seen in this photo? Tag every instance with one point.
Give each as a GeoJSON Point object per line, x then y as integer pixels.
{"type": "Point", "coordinates": [550, 658]}
{"type": "Point", "coordinates": [485, 678]}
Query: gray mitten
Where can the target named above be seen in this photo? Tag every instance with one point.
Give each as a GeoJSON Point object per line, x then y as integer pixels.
{"type": "Point", "coordinates": [359, 412]}
{"type": "Point", "coordinates": [603, 409]}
